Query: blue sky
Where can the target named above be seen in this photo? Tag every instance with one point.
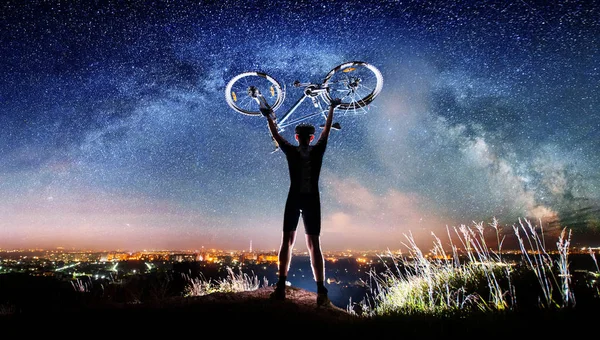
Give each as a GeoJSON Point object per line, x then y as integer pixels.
{"type": "Point", "coordinates": [115, 133]}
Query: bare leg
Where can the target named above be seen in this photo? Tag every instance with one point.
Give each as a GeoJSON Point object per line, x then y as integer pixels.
{"type": "Point", "coordinates": [318, 267]}
{"type": "Point", "coordinates": [317, 262]}
{"type": "Point", "coordinates": [285, 259]}
{"type": "Point", "coordinates": [285, 252]}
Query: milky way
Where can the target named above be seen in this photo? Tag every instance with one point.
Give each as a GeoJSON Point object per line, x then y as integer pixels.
{"type": "Point", "coordinates": [115, 132]}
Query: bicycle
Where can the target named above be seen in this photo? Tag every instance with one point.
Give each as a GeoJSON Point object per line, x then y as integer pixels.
{"type": "Point", "coordinates": [356, 83]}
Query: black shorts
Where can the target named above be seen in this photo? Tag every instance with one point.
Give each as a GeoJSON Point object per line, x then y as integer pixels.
{"type": "Point", "coordinates": [309, 205]}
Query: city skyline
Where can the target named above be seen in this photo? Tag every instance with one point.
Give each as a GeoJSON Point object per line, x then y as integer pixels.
{"type": "Point", "coordinates": [115, 132]}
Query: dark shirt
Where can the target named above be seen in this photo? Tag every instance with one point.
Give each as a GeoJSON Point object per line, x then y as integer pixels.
{"type": "Point", "coordinates": [304, 165]}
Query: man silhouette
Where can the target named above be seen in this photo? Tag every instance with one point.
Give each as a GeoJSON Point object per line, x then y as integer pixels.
{"type": "Point", "coordinates": [304, 165]}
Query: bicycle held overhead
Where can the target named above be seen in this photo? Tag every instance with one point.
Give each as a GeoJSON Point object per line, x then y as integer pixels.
{"type": "Point", "coordinates": [356, 83]}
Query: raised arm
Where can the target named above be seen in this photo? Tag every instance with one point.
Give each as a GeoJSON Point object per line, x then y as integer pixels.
{"type": "Point", "coordinates": [327, 128]}
{"type": "Point", "coordinates": [266, 111]}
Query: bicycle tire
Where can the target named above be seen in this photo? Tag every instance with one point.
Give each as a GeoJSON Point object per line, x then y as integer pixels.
{"type": "Point", "coordinates": [245, 104]}
{"type": "Point", "coordinates": [356, 95]}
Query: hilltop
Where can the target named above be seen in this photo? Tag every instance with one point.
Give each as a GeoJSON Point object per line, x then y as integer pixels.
{"type": "Point", "coordinates": [252, 313]}
{"type": "Point", "coordinates": [240, 312]}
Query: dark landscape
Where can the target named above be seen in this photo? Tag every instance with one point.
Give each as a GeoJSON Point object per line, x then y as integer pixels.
{"type": "Point", "coordinates": [155, 304]}
{"type": "Point", "coordinates": [252, 313]}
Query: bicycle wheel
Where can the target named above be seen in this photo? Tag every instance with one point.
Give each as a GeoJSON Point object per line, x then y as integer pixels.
{"type": "Point", "coordinates": [241, 92]}
{"type": "Point", "coordinates": [356, 83]}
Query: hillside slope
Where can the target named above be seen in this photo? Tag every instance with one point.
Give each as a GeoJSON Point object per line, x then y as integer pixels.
{"type": "Point", "coordinates": [254, 314]}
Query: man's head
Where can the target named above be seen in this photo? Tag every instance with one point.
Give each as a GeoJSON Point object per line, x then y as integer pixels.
{"type": "Point", "coordinates": [305, 133]}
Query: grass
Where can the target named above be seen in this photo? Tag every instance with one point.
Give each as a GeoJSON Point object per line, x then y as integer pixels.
{"type": "Point", "coordinates": [232, 283]}
{"type": "Point", "coordinates": [460, 278]}
{"type": "Point", "coordinates": [465, 278]}
{"type": "Point", "coordinates": [471, 278]}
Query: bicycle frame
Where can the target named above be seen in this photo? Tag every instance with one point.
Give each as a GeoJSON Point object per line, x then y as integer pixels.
{"type": "Point", "coordinates": [312, 91]}
{"type": "Point", "coordinates": [355, 83]}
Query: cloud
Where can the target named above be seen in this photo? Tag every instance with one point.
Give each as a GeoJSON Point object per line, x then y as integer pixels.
{"type": "Point", "coordinates": [506, 187]}
{"type": "Point", "coordinates": [362, 217]}
{"type": "Point", "coordinates": [552, 172]}
{"type": "Point", "coordinates": [472, 171]}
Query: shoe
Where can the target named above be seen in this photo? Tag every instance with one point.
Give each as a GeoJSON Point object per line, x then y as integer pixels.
{"type": "Point", "coordinates": [278, 294]}
{"type": "Point", "coordinates": [323, 300]}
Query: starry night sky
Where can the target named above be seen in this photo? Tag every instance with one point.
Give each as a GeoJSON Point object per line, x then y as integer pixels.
{"type": "Point", "coordinates": [115, 133]}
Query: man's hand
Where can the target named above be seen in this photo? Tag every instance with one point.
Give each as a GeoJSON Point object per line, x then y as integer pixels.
{"type": "Point", "coordinates": [265, 109]}
{"type": "Point", "coordinates": [335, 102]}
{"type": "Point", "coordinates": [266, 112]}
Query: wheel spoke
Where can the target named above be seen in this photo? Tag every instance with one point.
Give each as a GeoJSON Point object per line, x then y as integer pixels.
{"type": "Point", "coordinates": [236, 92]}
{"type": "Point", "coordinates": [247, 103]}
{"type": "Point", "coordinates": [356, 83]}
{"type": "Point", "coordinates": [347, 95]}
